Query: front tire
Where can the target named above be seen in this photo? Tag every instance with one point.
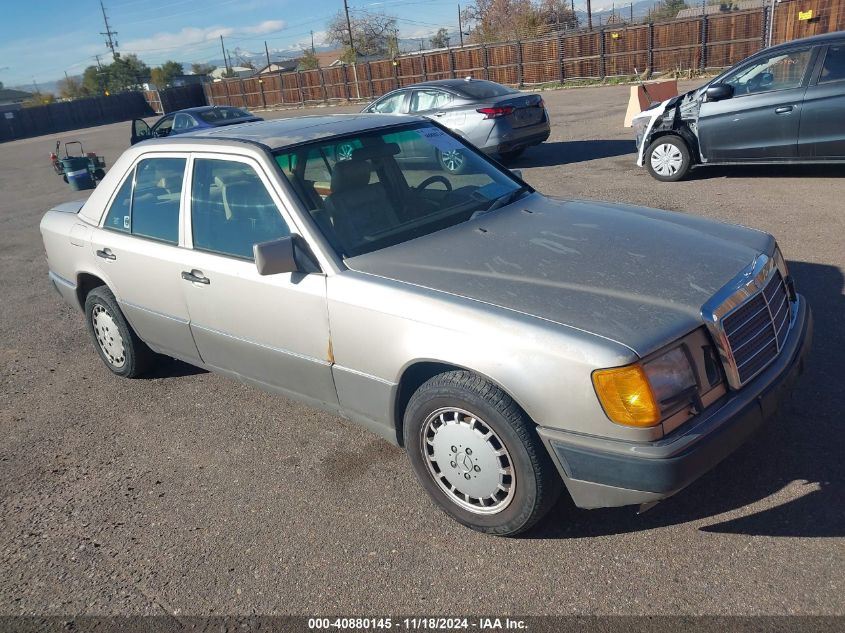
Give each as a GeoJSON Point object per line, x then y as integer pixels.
{"type": "Point", "coordinates": [668, 158]}
{"type": "Point", "coordinates": [119, 347]}
{"type": "Point", "coordinates": [477, 455]}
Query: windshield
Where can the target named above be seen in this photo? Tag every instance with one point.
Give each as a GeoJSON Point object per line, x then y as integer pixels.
{"type": "Point", "coordinates": [479, 89]}
{"type": "Point", "coordinates": [390, 185]}
{"type": "Point", "coordinates": [221, 114]}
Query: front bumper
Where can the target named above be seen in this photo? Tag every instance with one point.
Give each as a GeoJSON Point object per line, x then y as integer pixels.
{"type": "Point", "coordinates": [604, 473]}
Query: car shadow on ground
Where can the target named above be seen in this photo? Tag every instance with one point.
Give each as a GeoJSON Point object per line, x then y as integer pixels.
{"type": "Point", "coordinates": [767, 171]}
{"type": "Point", "coordinates": [801, 448]}
{"type": "Point", "coordinates": [167, 367]}
{"type": "Point", "coordinates": [555, 153]}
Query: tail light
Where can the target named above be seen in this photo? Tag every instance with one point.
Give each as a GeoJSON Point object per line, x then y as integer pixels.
{"type": "Point", "coordinates": [541, 103]}
{"type": "Point", "coordinates": [495, 112]}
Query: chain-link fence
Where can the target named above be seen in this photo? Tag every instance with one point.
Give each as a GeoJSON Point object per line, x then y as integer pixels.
{"type": "Point", "coordinates": [708, 40]}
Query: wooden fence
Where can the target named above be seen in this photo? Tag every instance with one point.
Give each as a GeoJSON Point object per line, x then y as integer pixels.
{"type": "Point", "coordinates": [699, 43]}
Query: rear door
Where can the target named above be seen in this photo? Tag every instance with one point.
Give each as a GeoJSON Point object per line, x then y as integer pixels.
{"type": "Point", "coordinates": [138, 249]}
{"type": "Point", "coordinates": [760, 122]}
{"type": "Point", "coordinates": [822, 132]}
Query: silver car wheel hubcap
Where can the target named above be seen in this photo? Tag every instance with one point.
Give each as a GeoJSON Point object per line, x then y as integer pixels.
{"type": "Point", "coordinates": [344, 151]}
{"type": "Point", "coordinates": [468, 461]}
{"type": "Point", "coordinates": [108, 336]}
{"type": "Point", "coordinates": [453, 159]}
{"type": "Point", "coordinates": [666, 159]}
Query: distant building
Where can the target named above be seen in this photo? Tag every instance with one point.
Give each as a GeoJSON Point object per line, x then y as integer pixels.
{"type": "Point", "coordinates": [239, 71]}
{"type": "Point", "coordinates": [283, 66]}
{"type": "Point", "coordinates": [12, 99]}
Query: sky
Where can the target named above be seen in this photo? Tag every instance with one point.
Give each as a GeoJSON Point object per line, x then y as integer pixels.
{"type": "Point", "coordinates": [41, 40]}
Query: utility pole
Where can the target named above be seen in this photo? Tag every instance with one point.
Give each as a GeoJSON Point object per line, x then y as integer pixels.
{"type": "Point", "coordinates": [460, 26]}
{"type": "Point", "coordinates": [589, 15]}
{"type": "Point", "coordinates": [225, 61]}
{"type": "Point", "coordinates": [111, 42]}
{"type": "Point", "coordinates": [267, 50]}
{"type": "Point", "coordinates": [349, 30]}
{"type": "Point", "coordinates": [99, 66]}
{"type": "Point", "coordinates": [313, 52]}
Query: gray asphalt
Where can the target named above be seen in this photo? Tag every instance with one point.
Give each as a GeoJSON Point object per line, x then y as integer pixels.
{"type": "Point", "coordinates": [188, 493]}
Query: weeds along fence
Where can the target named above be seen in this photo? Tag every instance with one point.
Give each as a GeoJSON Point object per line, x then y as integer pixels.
{"type": "Point", "coordinates": [699, 43]}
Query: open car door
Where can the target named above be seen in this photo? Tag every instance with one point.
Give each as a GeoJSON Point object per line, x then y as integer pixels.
{"type": "Point", "coordinates": [140, 131]}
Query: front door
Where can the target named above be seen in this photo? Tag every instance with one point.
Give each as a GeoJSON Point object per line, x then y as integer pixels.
{"type": "Point", "coordinates": [137, 247]}
{"type": "Point", "coordinates": [273, 329]}
{"type": "Point", "coordinates": [760, 122]}
{"type": "Point", "coordinates": [822, 134]}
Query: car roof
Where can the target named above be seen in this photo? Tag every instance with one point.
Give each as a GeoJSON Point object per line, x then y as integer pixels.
{"type": "Point", "coordinates": [454, 84]}
{"type": "Point", "coordinates": [281, 133]}
{"type": "Point", "coordinates": [205, 108]}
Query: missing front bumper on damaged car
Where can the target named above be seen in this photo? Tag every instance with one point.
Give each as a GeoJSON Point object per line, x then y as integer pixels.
{"type": "Point", "coordinates": [606, 473]}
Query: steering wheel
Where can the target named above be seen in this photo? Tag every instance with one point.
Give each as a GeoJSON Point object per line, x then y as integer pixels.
{"type": "Point", "coordinates": [433, 179]}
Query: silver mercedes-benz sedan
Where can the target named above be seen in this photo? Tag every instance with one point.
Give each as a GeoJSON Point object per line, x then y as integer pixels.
{"type": "Point", "coordinates": [515, 345]}
{"type": "Point", "coordinates": [496, 119]}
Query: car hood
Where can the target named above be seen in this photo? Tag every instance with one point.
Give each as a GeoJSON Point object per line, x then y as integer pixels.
{"type": "Point", "coordinates": [634, 275]}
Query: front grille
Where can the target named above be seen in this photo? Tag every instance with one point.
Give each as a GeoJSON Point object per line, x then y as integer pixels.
{"type": "Point", "coordinates": [756, 330]}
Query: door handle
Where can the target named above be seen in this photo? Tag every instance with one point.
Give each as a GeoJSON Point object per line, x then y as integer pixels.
{"type": "Point", "coordinates": [195, 276]}
{"type": "Point", "coordinates": [439, 114]}
{"type": "Point", "coordinates": [106, 253]}
{"type": "Point", "coordinates": [783, 110]}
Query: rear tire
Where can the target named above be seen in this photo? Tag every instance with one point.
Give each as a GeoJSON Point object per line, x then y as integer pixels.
{"type": "Point", "coordinates": [668, 158]}
{"type": "Point", "coordinates": [478, 456]}
{"type": "Point", "coordinates": [119, 347]}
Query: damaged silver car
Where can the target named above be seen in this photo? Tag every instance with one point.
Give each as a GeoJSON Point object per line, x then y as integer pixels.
{"type": "Point", "coordinates": [515, 345]}
{"type": "Point", "coordinates": [783, 105]}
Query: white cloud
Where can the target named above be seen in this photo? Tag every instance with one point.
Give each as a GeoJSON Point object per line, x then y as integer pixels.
{"type": "Point", "coordinates": [192, 36]}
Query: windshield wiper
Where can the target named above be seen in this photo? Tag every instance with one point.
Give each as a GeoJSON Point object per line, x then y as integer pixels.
{"type": "Point", "coordinates": [502, 201]}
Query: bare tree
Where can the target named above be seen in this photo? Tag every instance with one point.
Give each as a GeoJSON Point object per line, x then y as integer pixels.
{"type": "Point", "coordinates": [372, 34]}
{"type": "Point", "coordinates": [501, 20]}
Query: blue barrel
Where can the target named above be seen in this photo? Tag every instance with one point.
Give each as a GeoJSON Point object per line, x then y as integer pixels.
{"type": "Point", "coordinates": [76, 172]}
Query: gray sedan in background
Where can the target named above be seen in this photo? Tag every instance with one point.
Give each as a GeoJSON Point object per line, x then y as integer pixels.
{"type": "Point", "coordinates": [494, 118]}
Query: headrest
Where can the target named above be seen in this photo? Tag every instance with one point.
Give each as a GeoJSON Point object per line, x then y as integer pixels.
{"type": "Point", "coordinates": [350, 174]}
{"type": "Point", "coordinates": [241, 199]}
{"type": "Point", "coordinates": [375, 151]}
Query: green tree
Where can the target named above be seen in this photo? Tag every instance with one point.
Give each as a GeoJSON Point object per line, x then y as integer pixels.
{"type": "Point", "coordinates": [94, 80]}
{"type": "Point", "coordinates": [202, 69]}
{"type": "Point", "coordinates": [164, 74]}
{"type": "Point", "coordinates": [126, 73]}
{"type": "Point", "coordinates": [439, 39]}
{"type": "Point", "coordinates": [309, 60]}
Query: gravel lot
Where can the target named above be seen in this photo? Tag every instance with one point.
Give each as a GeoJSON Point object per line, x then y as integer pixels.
{"type": "Point", "coordinates": [188, 493]}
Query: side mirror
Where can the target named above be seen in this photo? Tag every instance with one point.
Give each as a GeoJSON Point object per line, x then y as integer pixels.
{"type": "Point", "coordinates": [517, 173]}
{"type": "Point", "coordinates": [277, 256]}
{"type": "Point", "coordinates": [719, 92]}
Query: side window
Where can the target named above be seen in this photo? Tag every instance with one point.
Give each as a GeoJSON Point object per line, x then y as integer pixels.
{"type": "Point", "coordinates": [782, 71]}
{"type": "Point", "coordinates": [231, 209]}
{"type": "Point", "coordinates": [118, 218]}
{"type": "Point", "coordinates": [156, 198]}
{"type": "Point", "coordinates": [183, 122]}
{"type": "Point", "coordinates": [163, 127]}
{"type": "Point", "coordinates": [423, 100]}
{"type": "Point", "coordinates": [834, 65]}
{"type": "Point", "coordinates": [390, 104]}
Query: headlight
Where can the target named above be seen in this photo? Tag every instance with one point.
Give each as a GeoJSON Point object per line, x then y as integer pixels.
{"type": "Point", "coordinates": [670, 374]}
{"type": "Point", "coordinates": [631, 395]}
